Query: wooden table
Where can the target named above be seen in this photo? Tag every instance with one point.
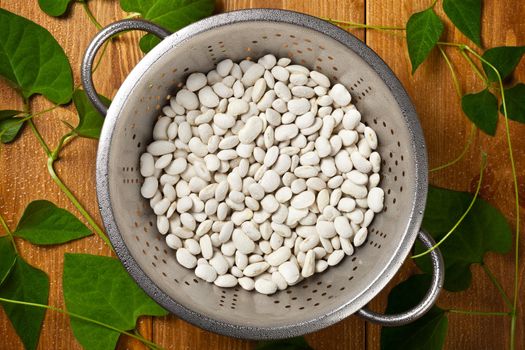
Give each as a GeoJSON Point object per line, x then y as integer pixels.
{"type": "Point", "coordinates": [24, 177]}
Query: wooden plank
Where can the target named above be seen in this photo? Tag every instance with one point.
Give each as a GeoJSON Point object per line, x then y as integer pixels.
{"type": "Point", "coordinates": [446, 130]}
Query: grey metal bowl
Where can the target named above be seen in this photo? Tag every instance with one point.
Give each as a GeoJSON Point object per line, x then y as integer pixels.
{"type": "Point", "coordinates": [323, 299]}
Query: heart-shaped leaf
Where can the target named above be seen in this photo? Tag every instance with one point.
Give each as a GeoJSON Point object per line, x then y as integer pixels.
{"type": "Point", "coordinates": [44, 223]}
{"type": "Point", "coordinates": [25, 283]}
{"type": "Point", "coordinates": [423, 32]}
{"type": "Point", "coordinates": [90, 120]}
{"type": "Point", "coordinates": [7, 257]}
{"type": "Point", "coordinates": [99, 288]}
{"type": "Point", "coordinates": [504, 59]}
{"type": "Point", "coordinates": [428, 332]}
{"type": "Point", "coordinates": [170, 14]}
{"type": "Point", "coordinates": [482, 109]}
{"type": "Point", "coordinates": [32, 60]}
{"type": "Point", "coordinates": [10, 128]}
{"type": "Point", "coordinates": [515, 100]}
{"type": "Point", "coordinates": [466, 16]}
{"type": "Point", "coordinates": [298, 343]}
{"type": "Point", "coordinates": [484, 229]}
{"type": "Point", "coordinates": [54, 8]}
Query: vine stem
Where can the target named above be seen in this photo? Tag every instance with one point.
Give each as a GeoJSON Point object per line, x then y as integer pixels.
{"type": "Point", "coordinates": [362, 25]}
{"type": "Point", "coordinates": [40, 138]}
{"type": "Point", "coordinates": [446, 43]}
{"type": "Point", "coordinates": [475, 68]}
{"type": "Point", "coordinates": [516, 194]}
{"type": "Point", "coordinates": [481, 313]}
{"type": "Point", "coordinates": [62, 142]}
{"type": "Point", "coordinates": [460, 94]}
{"type": "Point", "coordinates": [452, 72]}
{"type": "Point", "coordinates": [102, 53]}
{"type": "Point", "coordinates": [8, 231]}
{"type": "Point", "coordinates": [83, 318]}
{"type": "Point", "coordinates": [498, 286]}
{"type": "Point", "coordinates": [460, 220]}
{"type": "Point", "coordinates": [461, 155]}
{"type": "Point", "coordinates": [31, 116]}
{"type": "Point", "coordinates": [90, 14]}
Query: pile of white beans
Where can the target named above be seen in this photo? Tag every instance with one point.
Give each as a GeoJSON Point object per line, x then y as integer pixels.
{"type": "Point", "coordinates": [262, 174]}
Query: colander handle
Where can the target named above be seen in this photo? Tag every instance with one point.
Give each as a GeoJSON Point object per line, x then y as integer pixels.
{"type": "Point", "coordinates": [104, 35]}
{"type": "Point", "coordinates": [428, 301]}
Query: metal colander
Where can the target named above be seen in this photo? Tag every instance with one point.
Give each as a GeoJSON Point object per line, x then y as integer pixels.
{"type": "Point", "coordinates": [322, 299]}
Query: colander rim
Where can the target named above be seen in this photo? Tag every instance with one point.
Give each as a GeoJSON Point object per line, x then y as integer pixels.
{"type": "Point", "coordinates": [417, 144]}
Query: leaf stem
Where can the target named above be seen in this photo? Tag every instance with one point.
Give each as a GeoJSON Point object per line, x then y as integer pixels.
{"type": "Point", "coordinates": [83, 318]}
{"type": "Point", "coordinates": [76, 203]}
{"type": "Point", "coordinates": [475, 68]}
{"type": "Point", "coordinates": [9, 232]}
{"type": "Point", "coordinates": [63, 140]}
{"type": "Point", "coordinates": [137, 333]}
{"type": "Point", "coordinates": [452, 72]}
{"type": "Point", "coordinates": [31, 116]}
{"type": "Point", "coordinates": [481, 313]}
{"type": "Point", "coordinates": [496, 284]}
{"type": "Point", "coordinates": [90, 14]}
{"type": "Point", "coordinates": [483, 163]}
{"type": "Point", "coordinates": [40, 138]}
{"type": "Point", "coordinates": [462, 154]}
{"type": "Point", "coordinates": [516, 199]}
{"type": "Point", "coordinates": [97, 64]}
{"type": "Point", "coordinates": [446, 43]}
{"type": "Point", "coordinates": [361, 25]}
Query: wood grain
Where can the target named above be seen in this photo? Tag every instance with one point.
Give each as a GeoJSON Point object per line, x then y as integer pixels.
{"type": "Point", "coordinates": [24, 178]}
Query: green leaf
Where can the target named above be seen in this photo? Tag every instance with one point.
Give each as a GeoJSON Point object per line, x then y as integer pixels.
{"type": "Point", "coordinates": [9, 129]}
{"type": "Point", "coordinates": [484, 229]}
{"type": "Point", "coordinates": [466, 16]}
{"type": "Point", "coordinates": [29, 284]}
{"type": "Point", "coordinates": [170, 14]}
{"type": "Point", "coordinates": [423, 32]}
{"type": "Point", "coordinates": [90, 120]}
{"type": "Point", "coordinates": [7, 257]}
{"type": "Point", "coordinates": [99, 288]}
{"type": "Point", "coordinates": [515, 100]}
{"type": "Point", "coordinates": [504, 59]}
{"type": "Point", "coordinates": [54, 8]}
{"type": "Point", "coordinates": [482, 109]}
{"type": "Point", "coordinates": [8, 113]}
{"type": "Point", "coordinates": [298, 343]}
{"type": "Point", "coordinates": [32, 60]}
{"type": "Point", "coordinates": [428, 332]}
{"type": "Point", "coordinates": [44, 223]}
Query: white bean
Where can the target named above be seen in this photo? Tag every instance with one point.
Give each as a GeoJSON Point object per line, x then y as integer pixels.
{"type": "Point", "coordinates": [360, 236]}
{"type": "Point", "coordinates": [226, 281]}
{"type": "Point", "coordinates": [185, 258]}
{"type": "Point", "coordinates": [375, 199]}
{"type": "Point", "coordinates": [340, 95]}
{"type": "Point", "coordinates": [335, 257]}
{"type": "Point", "coordinates": [309, 264]}
{"type": "Point", "coordinates": [290, 272]}
{"type": "Point", "coordinates": [265, 286]}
